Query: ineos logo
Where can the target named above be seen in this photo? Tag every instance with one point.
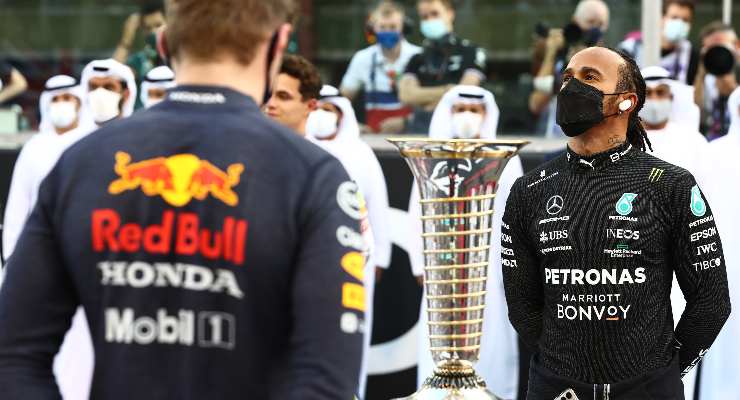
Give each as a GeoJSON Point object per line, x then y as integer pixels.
{"type": "Point", "coordinates": [554, 205]}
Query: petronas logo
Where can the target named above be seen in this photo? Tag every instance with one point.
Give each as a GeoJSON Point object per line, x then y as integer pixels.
{"type": "Point", "coordinates": [698, 206]}
{"type": "Point", "coordinates": [624, 205]}
{"type": "Point", "coordinates": [655, 174]}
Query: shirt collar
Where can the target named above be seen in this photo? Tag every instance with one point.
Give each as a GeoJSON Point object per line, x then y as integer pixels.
{"type": "Point", "coordinates": [209, 96]}
{"type": "Point", "coordinates": [601, 160]}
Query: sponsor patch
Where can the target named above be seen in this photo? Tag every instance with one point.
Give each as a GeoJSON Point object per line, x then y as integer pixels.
{"type": "Point", "coordinates": [353, 296]}
{"type": "Point", "coordinates": [354, 264]}
{"type": "Point", "coordinates": [176, 179]}
{"type": "Point", "coordinates": [698, 206]}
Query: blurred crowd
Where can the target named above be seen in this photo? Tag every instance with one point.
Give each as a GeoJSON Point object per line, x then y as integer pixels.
{"type": "Point", "coordinates": [433, 87]}
{"type": "Point", "coordinates": [394, 84]}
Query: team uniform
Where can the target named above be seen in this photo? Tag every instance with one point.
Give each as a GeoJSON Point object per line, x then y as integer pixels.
{"type": "Point", "coordinates": [206, 268]}
{"type": "Point", "coordinates": [594, 243]}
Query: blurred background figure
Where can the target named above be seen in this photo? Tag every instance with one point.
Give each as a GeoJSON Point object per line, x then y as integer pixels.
{"type": "Point", "coordinates": [678, 56]}
{"type": "Point", "coordinates": [720, 365]}
{"type": "Point", "coordinates": [377, 69]}
{"type": "Point", "coordinates": [552, 51]}
{"type": "Point", "coordinates": [717, 77]}
{"type": "Point", "coordinates": [295, 93]}
{"type": "Point", "coordinates": [155, 84]}
{"type": "Point", "coordinates": [470, 112]}
{"type": "Point", "coordinates": [146, 22]}
{"type": "Point", "coordinates": [62, 125]}
{"type": "Point", "coordinates": [445, 61]}
{"type": "Point", "coordinates": [110, 90]}
{"type": "Point", "coordinates": [678, 143]}
{"type": "Point", "coordinates": [12, 82]}
{"type": "Point", "coordinates": [333, 126]}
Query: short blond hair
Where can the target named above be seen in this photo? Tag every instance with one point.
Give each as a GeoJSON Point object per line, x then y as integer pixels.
{"type": "Point", "coordinates": [207, 29]}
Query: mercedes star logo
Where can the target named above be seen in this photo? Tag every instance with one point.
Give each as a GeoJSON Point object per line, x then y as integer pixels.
{"type": "Point", "coordinates": [554, 205]}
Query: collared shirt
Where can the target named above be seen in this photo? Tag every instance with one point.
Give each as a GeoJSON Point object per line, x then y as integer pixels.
{"type": "Point", "coordinates": [446, 61]}
{"type": "Point", "coordinates": [370, 71]}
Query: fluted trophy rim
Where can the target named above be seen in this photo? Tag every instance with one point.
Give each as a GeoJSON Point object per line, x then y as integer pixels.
{"type": "Point", "coordinates": [457, 148]}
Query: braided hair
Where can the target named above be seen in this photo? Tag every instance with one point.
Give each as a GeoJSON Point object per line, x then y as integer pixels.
{"type": "Point", "coordinates": [630, 79]}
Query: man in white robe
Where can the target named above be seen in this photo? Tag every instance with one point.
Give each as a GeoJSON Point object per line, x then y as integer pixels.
{"type": "Point", "coordinates": [719, 368]}
{"type": "Point", "coordinates": [468, 112]}
{"type": "Point", "coordinates": [155, 84]}
{"type": "Point", "coordinates": [63, 123]}
{"type": "Point", "coordinates": [110, 90]}
{"type": "Point", "coordinates": [333, 126]}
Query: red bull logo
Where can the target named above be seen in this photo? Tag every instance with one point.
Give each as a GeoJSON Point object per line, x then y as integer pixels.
{"type": "Point", "coordinates": [177, 179]}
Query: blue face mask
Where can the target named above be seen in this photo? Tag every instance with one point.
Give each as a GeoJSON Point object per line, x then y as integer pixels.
{"type": "Point", "coordinates": [388, 39]}
{"type": "Point", "coordinates": [434, 28]}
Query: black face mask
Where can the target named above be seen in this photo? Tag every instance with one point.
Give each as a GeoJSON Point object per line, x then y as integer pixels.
{"type": "Point", "coordinates": [580, 107]}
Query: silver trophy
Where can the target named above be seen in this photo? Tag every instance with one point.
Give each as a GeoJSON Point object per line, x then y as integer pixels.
{"type": "Point", "coordinates": [457, 182]}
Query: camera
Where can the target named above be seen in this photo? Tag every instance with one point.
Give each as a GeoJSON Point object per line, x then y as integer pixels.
{"type": "Point", "coordinates": [719, 60]}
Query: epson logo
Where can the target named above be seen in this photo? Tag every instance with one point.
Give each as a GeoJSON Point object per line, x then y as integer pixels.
{"type": "Point", "coordinates": [705, 234]}
{"type": "Point", "coordinates": [622, 234]}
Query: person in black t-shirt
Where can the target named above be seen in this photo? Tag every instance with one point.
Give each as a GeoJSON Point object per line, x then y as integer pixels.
{"type": "Point", "coordinates": [446, 61]}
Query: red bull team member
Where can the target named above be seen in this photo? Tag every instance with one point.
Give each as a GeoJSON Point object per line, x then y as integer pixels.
{"type": "Point", "coordinates": [201, 239]}
{"type": "Point", "coordinates": [595, 237]}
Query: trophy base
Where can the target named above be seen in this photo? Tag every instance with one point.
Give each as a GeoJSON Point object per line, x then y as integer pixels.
{"type": "Point", "coordinates": [468, 386]}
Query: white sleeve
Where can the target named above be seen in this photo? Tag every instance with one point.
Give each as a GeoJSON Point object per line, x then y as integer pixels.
{"type": "Point", "coordinates": [416, 246]}
{"type": "Point", "coordinates": [353, 79]}
{"type": "Point", "coordinates": [377, 207]}
{"type": "Point", "coordinates": [20, 201]}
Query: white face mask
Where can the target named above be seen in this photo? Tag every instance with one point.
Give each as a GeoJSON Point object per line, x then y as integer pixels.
{"type": "Point", "coordinates": [62, 113]}
{"type": "Point", "coordinates": [466, 125]}
{"type": "Point", "coordinates": [322, 124]}
{"type": "Point", "coordinates": [656, 112]}
{"type": "Point", "coordinates": [676, 30]}
{"type": "Point", "coordinates": [104, 104]}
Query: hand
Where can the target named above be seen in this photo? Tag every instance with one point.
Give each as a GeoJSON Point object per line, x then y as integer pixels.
{"type": "Point", "coordinates": [132, 24]}
{"type": "Point", "coordinates": [378, 274]}
{"type": "Point", "coordinates": [365, 129]}
{"type": "Point", "coordinates": [393, 125]}
{"type": "Point", "coordinates": [420, 280]}
{"type": "Point", "coordinates": [555, 40]}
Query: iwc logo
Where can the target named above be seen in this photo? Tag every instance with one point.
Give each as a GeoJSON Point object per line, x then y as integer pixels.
{"type": "Point", "coordinates": [624, 205]}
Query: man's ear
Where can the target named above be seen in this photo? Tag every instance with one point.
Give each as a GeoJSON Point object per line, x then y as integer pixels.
{"type": "Point", "coordinates": [124, 97]}
{"type": "Point", "coordinates": [313, 104]}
